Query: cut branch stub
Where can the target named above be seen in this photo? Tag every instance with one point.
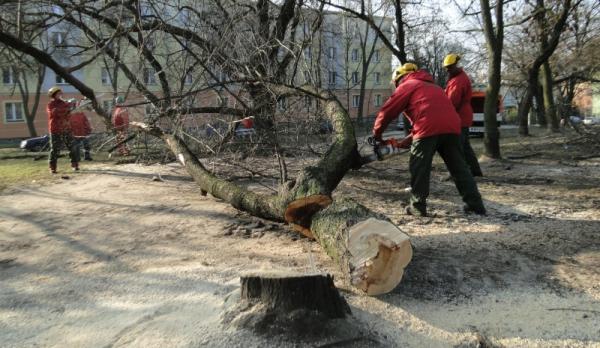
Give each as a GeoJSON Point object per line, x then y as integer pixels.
{"type": "Point", "coordinates": [299, 213]}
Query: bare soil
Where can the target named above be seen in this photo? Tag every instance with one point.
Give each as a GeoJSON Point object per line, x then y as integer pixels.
{"type": "Point", "coordinates": [111, 258]}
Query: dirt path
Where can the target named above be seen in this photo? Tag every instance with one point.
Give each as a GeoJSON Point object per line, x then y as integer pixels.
{"type": "Point", "coordinates": [110, 258]}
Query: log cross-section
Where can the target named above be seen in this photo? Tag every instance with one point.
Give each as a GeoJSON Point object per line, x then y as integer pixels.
{"type": "Point", "coordinates": [371, 250]}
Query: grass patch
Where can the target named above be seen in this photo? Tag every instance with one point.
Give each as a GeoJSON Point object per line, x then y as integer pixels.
{"type": "Point", "coordinates": [25, 170]}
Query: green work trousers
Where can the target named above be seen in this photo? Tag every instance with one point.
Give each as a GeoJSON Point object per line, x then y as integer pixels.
{"type": "Point", "coordinates": [57, 142]}
{"type": "Point", "coordinates": [470, 156]}
{"type": "Point", "coordinates": [449, 148]}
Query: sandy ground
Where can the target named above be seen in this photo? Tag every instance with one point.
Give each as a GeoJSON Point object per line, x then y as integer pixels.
{"type": "Point", "coordinates": [110, 258]}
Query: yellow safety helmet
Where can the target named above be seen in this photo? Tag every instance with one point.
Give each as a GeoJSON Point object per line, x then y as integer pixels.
{"type": "Point", "coordinates": [450, 59]}
{"type": "Point", "coordinates": [53, 90]}
{"type": "Point", "coordinates": [403, 70]}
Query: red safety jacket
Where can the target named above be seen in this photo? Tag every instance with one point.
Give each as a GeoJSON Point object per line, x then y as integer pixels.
{"type": "Point", "coordinates": [459, 91]}
{"type": "Point", "coordinates": [58, 116]}
{"type": "Point", "coordinates": [80, 126]}
{"type": "Point", "coordinates": [120, 118]}
{"type": "Point", "coordinates": [426, 106]}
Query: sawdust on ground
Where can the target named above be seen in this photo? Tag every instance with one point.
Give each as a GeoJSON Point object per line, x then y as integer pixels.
{"type": "Point", "coordinates": [111, 258]}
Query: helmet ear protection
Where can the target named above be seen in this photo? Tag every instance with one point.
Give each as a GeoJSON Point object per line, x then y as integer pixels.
{"type": "Point", "coordinates": [403, 70]}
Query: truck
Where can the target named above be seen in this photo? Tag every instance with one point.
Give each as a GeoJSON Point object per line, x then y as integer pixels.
{"type": "Point", "coordinates": [477, 103]}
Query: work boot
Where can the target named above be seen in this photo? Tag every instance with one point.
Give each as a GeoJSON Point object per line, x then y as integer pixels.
{"type": "Point", "coordinates": [471, 210]}
{"type": "Point", "coordinates": [415, 211]}
{"type": "Point", "coordinates": [75, 166]}
{"type": "Point", "coordinates": [87, 157]}
{"type": "Point", "coordinates": [52, 168]}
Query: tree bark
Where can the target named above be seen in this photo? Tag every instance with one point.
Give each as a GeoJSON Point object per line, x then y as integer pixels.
{"type": "Point", "coordinates": [286, 293]}
{"type": "Point", "coordinates": [549, 105]}
{"type": "Point", "coordinates": [371, 250]}
{"type": "Point", "coordinates": [494, 38]}
{"type": "Point", "coordinates": [540, 109]}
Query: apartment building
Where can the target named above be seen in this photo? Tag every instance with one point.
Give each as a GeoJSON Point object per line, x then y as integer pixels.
{"type": "Point", "coordinates": [334, 60]}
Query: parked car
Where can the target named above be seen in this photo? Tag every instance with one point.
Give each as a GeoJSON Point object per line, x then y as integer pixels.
{"type": "Point", "coordinates": [575, 119]}
{"type": "Point", "coordinates": [35, 144]}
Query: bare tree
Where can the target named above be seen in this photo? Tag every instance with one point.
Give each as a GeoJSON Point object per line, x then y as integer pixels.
{"type": "Point", "coordinates": [549, 36]}
{"type": "Point", "coordinates": [257, 69]}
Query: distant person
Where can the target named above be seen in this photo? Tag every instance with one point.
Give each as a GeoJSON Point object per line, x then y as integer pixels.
{"type": "Point", "coordinates": [60, 129]}
{"type": "Point", "coordinates": [436, 128]}
{"type": "Point", "coordinates": [458, 90]}
{"type": "Point", "coordinates": [120, 120]}
{"type": "Point", "coordinates": [81, 129]}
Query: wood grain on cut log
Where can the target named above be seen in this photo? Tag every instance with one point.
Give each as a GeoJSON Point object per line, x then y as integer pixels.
{"type": "Point", "coordinates": [371, 250]}
{"type": "Point", "coordinates": [286, 293]}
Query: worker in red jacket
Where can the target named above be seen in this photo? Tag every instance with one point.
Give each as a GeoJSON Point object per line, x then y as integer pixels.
{"type": "Point", "coordinates": [435, 128]}
{"type": "Point", "coordinates": [120, 120]}
{"type": "Point", "coordinates": [60, 130]}
{"type": "Point", "coordinates": [458, 90]}
{"type": "Point", "coordinates": [81, 129]}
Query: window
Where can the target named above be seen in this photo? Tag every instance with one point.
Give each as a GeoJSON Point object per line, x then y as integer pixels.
{"type": "Point", "coordinates": [59, 80]}
{"type": "Point", "coordinates": [306, 76]}
{"type": "Point", "coordinates": [149, 43]}
{"type": "Point", "coordinates": [189, 79]}
{"type": "Point", "coordinates": [13, 112]}
{"type": "Point", "coordinates": [377, 78]}
{"type": "Point", "coordinates": [221, 76]}
{"type": "Point", "coordinates": [307, 101]}
{"type": "Point", "coordinates": [376, 56]}
{"type": "Point", "coordinates": [308, 52]}
{"type": "Point", "coordinates": [105, 76]}
{"type": "Point", "coordinates": [149, 77]}
{"type": "Point", "coordinates": [57, 39]}
{"type": "Point", "coordinates": [355, 100]}
{"type": "Point", "coordinates": [355, 55]}
{"type": "Point", "coordinates": [332, 76]}
{"type": "Point", "coordinates": [377, 99]}
{"type": "Point", "coordinates": [222, 101]}
{"type": "Point", "coordinates": [355, 78]}
{"type": "Point", "coordinates": [107, 105]}
{"type": "Point", "coordinates": [306, 28]}
{"type": "Point", "coordinates": [331, 53]}
{"type": "Point", "coordinates": [281, 104]}
{"type": "Point", "coordinates": [149, 109]}
{"type": "Point", "coordinates": [145, 11]}
{"type": "Point", "coordinates": [8, 76]}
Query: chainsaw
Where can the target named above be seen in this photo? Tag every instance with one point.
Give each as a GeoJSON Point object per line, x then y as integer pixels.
{"type": "Point", "coordinates": [385, 149]}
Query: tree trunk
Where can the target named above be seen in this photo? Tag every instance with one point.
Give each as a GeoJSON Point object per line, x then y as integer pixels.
{"type": "Point", "coordinates": [286, 293]}
{"type": "Point", "coordinates": [371, 250]}
{"type": "Point", "coordinates": [540, 110]}
{"type": "Point", "coordinates": [525, 105]}
{"type": "Point", "coordinates": [549, 104]}
{"type": "Point", "coordinates": [494, 37]}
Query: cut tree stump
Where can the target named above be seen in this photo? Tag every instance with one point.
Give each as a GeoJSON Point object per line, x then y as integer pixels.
{"type": "Point", "coordinates": [286, 293]}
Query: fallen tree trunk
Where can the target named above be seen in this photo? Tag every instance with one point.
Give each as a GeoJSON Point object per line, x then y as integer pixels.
{"type": "Point", "coordinates": [369, 248]}
{"type": "Point", "coordinates": [371, 251]}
